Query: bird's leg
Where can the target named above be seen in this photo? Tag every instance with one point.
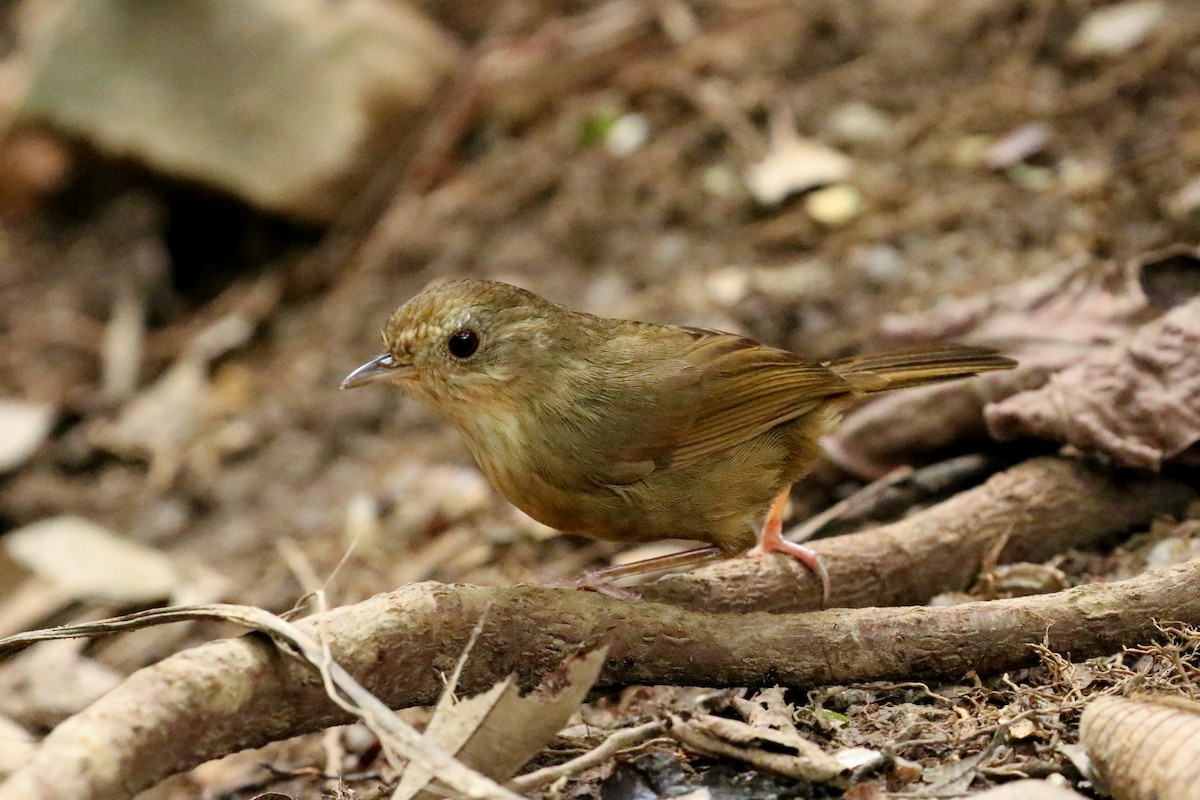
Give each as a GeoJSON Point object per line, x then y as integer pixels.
{"type": "Point", "coordinates": [772, 541]}
{"type": "Point", "coordinates": [602, 580]}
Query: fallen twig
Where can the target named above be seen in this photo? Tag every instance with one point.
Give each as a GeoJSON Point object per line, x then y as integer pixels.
{"type": "Point", "coordinates": [616, 742]}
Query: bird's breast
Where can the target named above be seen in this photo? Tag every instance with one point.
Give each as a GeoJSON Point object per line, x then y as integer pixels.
{"type": "Point", "coordinates": [515, 463]}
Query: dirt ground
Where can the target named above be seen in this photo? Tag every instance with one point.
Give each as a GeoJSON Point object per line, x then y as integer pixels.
{"type": "Point", "coordinates": [253, 470]}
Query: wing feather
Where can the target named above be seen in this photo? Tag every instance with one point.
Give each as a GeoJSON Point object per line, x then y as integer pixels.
{"type": "Point", "coordinates": [746, 389]}
{"type": "Point", "coordinates": [702, 393]}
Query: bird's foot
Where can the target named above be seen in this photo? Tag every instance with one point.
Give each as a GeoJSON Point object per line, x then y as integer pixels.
{"type": "Point", "coordinates": [772, 541]}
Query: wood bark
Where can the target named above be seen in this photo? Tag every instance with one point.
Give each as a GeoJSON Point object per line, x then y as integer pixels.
{"type": "Point", "coordinates": [1041, 507]}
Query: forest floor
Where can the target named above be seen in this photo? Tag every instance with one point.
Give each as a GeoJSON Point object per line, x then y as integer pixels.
{"type": "Point", "coordinates": [984, 149]}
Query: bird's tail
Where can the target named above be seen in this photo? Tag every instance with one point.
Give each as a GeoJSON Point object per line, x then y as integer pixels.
{"type": "Point", "coordinates": [900, 369]}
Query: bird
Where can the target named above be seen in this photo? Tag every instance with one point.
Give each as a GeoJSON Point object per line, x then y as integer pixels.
{"type": "Point", "coordinates": [635, 431]}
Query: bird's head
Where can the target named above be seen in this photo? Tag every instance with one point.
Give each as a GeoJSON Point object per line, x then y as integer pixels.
{"type": "Point", "coordinates": [464, 342]}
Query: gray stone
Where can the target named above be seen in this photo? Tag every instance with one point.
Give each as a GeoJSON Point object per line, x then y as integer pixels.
{"type": "Point", "coordinates": [287, 103]}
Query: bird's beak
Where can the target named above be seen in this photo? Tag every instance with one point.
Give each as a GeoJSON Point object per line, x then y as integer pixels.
{"type": "Point", "coordinates": [378, 368]}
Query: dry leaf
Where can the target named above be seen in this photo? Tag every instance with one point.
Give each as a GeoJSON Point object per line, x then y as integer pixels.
{"type": "Point", "coordinates": [1022, 729]}
{"type": "Point", "coordinates": [84, 560]}
{"type": "Point", "coordinates": [1116, 29]}
{"type": "Point", "coordinates": [860, 758]}
{"type": "Point", "coordinates": [1048, 324]}
{"type": "Point", "coordinates": [1138, 402]}
{"type": "Point", "coordinates": [955, 777]}
{"type": "Point", "coordinates": [794, 164]}
{"type": "Point", "coordinates": [159, 424]}
{"type": "Point", "coordinates": [1016, 146]}
{"type": "Point", "coordinates": [52, 681]}
{"type": "Point", "coordinates": [16, 746]}
{"type": "Point", "coordinates": [784, 752]}
{"type": "Point", "coordinates": [498, 731]}
{"type": "Point", "coordinates": [23, 428]}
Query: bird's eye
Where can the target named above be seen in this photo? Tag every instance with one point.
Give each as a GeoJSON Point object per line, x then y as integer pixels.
{"type": "Point", "coordinates": [463, 343]}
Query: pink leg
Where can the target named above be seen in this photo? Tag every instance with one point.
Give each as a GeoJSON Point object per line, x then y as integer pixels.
{"type": "Point", "coordinates": [602, 580]}
{"type": "Point", "coordinates": [772, 541]}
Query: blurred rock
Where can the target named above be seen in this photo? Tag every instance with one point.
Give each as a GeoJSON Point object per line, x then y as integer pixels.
{"type": "Point", "coordinates": [287, 103]}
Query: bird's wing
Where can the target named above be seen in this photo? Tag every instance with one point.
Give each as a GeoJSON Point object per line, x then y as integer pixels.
{"type": "Point", "coordinates": [708, 393]}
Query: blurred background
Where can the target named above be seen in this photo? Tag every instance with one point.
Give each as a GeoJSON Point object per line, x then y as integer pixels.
{"type": "Point", "coordinates": [208, 210]}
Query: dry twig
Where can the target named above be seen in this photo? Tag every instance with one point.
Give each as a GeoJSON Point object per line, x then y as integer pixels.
{"type": "Point", "coordinates": [616, 742]}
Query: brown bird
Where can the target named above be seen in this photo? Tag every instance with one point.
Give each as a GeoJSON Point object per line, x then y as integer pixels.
{"type": "Point", "coordinates": [632, 431]}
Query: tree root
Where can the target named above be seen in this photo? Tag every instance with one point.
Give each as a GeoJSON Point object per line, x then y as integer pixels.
{"type": "Point", "coordinates": [1040, 507]}
{"type": "Point", "coordinates": [233, 694]}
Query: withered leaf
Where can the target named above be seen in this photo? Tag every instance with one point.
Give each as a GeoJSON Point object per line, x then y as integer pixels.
{"type": "Point", "coordinates": [498, 731]}
{"type": "Point", "coordinates": [1138, 401]}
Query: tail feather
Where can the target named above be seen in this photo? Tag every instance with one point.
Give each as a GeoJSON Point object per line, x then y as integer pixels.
{"type": "Point", "coordinates": [918, 366]}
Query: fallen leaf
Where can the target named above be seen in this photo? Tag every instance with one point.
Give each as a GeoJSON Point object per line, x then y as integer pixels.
{"type": "Point", "coordinates": [951, 777]}
{"type": "Point", "coordinates": [782, 752]}
{"type": "Point", "coordinates": [23, 428]}
{"type": "Point", "coordinates": [85, 561]}
{"type": "Point", "coordinates": [1022, 729]}
{"type": "Point", "coordinates": [835, 205]}
{"type": "Point", "coordinates": [794, 164]}
{"type": "Point", "coordinates": [1116, 29]}
{"type": "Point", "coordinates": [853, 758]}
{"type": "Point", "coordinates": [1016, 146]}
{"type": "Point", "coordinates": [16, 746]}
{"type": "Point", "coordinates": [157, 424]}
{"type": "Point", "coordinates": [498, 731]}
{"type": "Point", "coordinates": [1048, 323]}
{"type": "Point", "coordinates": [52, 681]}
{"type": "Point", "coordinates": [1138, 402]}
